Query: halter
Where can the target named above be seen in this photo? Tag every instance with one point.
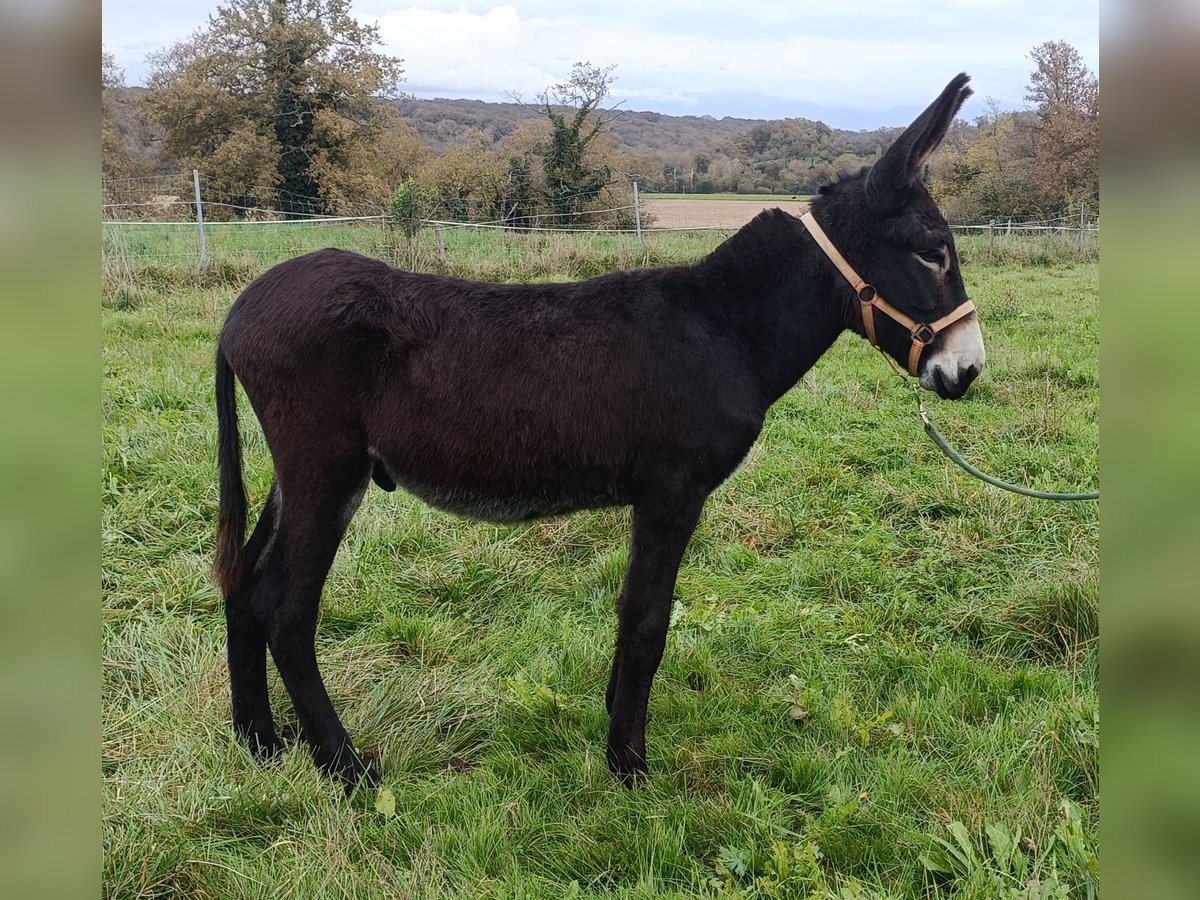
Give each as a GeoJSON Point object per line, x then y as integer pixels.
{"type": "Point", "coordinates": [922, 333]}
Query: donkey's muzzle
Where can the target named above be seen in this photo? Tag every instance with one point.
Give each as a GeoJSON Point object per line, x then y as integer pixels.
{"type": "Point", "coordinates": [951, 386]}
{"type": "Point", "coordinates": [954, 360]}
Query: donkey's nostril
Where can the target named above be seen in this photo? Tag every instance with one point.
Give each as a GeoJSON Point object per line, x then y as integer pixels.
{"type": "Point", "coordinates": [967, 375]}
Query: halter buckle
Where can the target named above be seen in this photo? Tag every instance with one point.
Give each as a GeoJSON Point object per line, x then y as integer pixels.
{"type": "Point", "coordinates": [923, 333]}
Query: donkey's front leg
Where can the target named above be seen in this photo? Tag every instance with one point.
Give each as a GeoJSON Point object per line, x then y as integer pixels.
{"type": "Point", "coordinates": [661, 531]}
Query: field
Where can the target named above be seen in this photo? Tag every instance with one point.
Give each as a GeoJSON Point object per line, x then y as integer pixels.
{"type": "Point", "coordinates": [704, 211]}
{"type": "Point", "coordinates": [881, 679]}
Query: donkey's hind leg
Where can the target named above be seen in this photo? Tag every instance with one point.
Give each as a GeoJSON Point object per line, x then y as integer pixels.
{"type": "Point", "coordinates": [247, 640]}
{"type": "Point", "coordinates": [314, 516]}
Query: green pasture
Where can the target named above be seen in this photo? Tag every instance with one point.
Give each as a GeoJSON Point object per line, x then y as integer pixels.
{"type": "Point", "coordinates": [881, 679]}
{"type": "Point", "coordinates": [139, 259]}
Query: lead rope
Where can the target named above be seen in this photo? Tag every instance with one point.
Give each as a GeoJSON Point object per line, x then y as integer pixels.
{"type": "Point", "coordinates": [955, 458]}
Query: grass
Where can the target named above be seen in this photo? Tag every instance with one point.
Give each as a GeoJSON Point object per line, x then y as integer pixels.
{"type": "Point", "coordinates": [141, 260]}
{"type": "Point", "coordinates": [881, 678]}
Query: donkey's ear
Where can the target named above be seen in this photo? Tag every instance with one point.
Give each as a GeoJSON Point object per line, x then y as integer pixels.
{"type": "Point", "coordinates": [890, 179]}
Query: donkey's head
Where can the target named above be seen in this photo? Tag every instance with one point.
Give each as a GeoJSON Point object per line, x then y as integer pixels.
{"type": "Point", "coordinates": [898, 254]}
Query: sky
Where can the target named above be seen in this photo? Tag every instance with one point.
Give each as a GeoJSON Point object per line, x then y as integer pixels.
{"type": "Point", "coordinates": [849, 63]}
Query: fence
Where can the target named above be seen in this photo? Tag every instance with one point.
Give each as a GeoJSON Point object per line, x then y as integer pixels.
{"type": "Point", "coordinates": [172, 222]}
{"type": "Point", "coordinates": [1077, 226]}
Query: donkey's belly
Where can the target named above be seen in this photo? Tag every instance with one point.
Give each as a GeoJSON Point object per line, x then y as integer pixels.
{"type": "Point", "coordinates": [503, 503]}
{"type": "Point", "coordinates": [506, 507]}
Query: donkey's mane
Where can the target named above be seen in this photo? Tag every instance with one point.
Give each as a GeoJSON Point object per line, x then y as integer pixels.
{"type": "Point", "coordinates": [761, 234]}
{"type": "Point", "coordinates": [843, 176]}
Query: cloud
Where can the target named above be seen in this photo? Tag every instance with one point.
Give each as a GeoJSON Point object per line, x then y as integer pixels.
{"type": "Point", "coordinates": [465, 53]}
{"type": "Point", "coordinates": [462, 52]}
{"type": "Point", "coordinates": [698, 55]}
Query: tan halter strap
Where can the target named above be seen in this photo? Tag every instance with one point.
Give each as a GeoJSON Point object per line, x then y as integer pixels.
{"type": "Point", "coordinates": [870, 300]}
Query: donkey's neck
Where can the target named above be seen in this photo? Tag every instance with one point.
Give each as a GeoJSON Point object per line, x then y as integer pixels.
{"type": "Point", "coordinates": [782, 297]}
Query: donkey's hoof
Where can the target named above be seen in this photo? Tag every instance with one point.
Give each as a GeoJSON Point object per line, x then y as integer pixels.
{"type": "Point", "coordinates": [634, 779]}
{"type": "Point", "coordinates": [265, 745]}
{"type": "Point", "coordinates": [267, 749]}
{"type": "Point", "coordinates": [629, 767]}
{"type": "Point", "coordinates": [369, 777]}
{"type": "Point", "coordinates": [351, 769]}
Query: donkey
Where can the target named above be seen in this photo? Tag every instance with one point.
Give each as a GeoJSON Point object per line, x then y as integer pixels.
{"type": "Point", "coordinates": [642, 388]}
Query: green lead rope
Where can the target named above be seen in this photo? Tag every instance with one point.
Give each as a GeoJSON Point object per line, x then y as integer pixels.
{"type": "Point", "coordinates": [983, 476]}
{"type": "Point", "coordinates": [955, 458]}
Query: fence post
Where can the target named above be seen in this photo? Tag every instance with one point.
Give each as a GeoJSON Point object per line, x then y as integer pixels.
{"type": "Point", "coordinates": [440, 234]}
{"type": "Point", "coordinates": [1082, 223]}
{"type": "Point", "coordinates": [637, 219]}
{"type": "Point", "coordinates": [991, 237]}
{"type": "Point", "coordinates": [200, 220]}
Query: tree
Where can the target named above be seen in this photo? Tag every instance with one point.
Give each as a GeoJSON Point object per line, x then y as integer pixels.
{"type": "Point", "coordinates": [115, 161]}
{"type": "Point", "coordinates": [406, 212]}
{"type": "Point", "coordinates": [524, 185]}
{"type": "Point", "coordinates": [984, 177]}
{"type": "Point", "coordinates": [359, 175]}
{"type": "Point", "coordinates": [276, 93]}
{"type": "Point", "coordinates": [573, 110]}
{"type": "Point", "coordinates": [1039, 162]}
{"type": "Point", "coordinates": [465, 183]}
{"type": "Point", "coordinates": [517, 205]}
{"type": "Point", "coordinates": [1060, 79]}
{"type": "Point", "coordinates": [110, 75]}
{"type": "Point", "coordinates": [1065, 168]}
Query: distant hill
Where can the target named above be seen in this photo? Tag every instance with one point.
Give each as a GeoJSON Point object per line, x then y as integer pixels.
{"type": "Point", "coordinates": [439, 122]}
{"type": "Point", "coordinates": [671, 153]}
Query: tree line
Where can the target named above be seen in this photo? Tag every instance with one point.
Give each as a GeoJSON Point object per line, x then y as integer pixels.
{"type": "Point", "coordinates": [294, 105]}
{"type": "Point", "coordinates": [1042, 162]}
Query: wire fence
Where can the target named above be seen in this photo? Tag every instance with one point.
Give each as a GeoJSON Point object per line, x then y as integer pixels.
{"type": "Point", "coordinates": [189, 222]}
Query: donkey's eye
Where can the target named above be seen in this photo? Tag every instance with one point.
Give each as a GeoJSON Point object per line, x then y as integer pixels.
{"type": "Point", "coordinates": [937, 256]}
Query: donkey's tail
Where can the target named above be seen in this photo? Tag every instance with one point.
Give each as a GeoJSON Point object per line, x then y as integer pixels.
{"type": "Point", "coordinates": [231, 523]}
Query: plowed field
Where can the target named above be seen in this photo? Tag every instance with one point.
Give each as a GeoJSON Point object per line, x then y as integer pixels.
{"type": "Point", "coordinates": [713, 213]}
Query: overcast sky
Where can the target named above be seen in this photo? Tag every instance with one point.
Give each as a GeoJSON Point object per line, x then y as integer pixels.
{"type": "Point", "coordinates": [850, 63]}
